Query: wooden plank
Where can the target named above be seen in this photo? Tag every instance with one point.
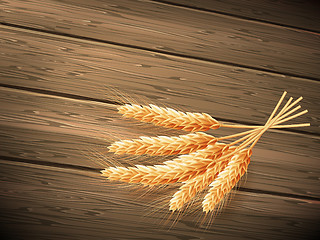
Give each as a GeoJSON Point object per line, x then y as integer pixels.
{"type": "Point", "coordinates": [63, 65]}
{"type": "Point", "coordinates": [58, 130]}
{"type": "Point", "coordinates": [297, 14]}
{"type": "Point", "coordinates": [175, 30]}
{"type": "Point", "coordinates": [39, 202]}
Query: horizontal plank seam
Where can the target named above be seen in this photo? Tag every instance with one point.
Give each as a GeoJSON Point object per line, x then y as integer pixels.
{"type": "Point", "coordinates": [97, 100]}
{"type": "Point", "coordinates": [59, 94]}
{"type": "Point", "coordinates": [51, 164]}
{"type": "Point", "coordinates": [235, 16]}
{"type": "Point", "coordinates": [97, 170]}
{"type": "Point", "coordinates": [280, 194]}
{"type": "Point", "coordinates": [158, 51]}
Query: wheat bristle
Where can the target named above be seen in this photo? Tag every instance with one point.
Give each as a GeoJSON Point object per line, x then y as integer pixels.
{"type": "Point", "coordinates": [169, 118]}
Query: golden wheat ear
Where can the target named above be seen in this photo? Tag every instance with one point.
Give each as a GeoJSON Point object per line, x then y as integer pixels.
{"type": "Point", "coordinates": [163, 145]}
{"type": "Point", "coordinates": [200, 181]}
{"type": "Point", "coordinates": [171, 172]}
{"type": "Point", "coordinates": [227, 179]}
{"type": "Point", "coordinates": [170, 118]}
{"type": "Point", "coordinates": [157, 174]}
{"type": "Point", "coordinates": [180, 169]}
{"type": "Point", "coordinates": [191, 187]}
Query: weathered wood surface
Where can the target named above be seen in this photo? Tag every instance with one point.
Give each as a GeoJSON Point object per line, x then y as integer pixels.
{"type": "Point", "coordinates": [296, 14]}
{"type": "Point", "coordinates": [58, 61]}
{"type": "Point", "coordinates": [62, 130]}
{"type": "Point", "coordinates": [53, 203]}
{"type": "Point", "coordinates": [170, 29]}
{"type": "Point", "coordinates": [63, 65]}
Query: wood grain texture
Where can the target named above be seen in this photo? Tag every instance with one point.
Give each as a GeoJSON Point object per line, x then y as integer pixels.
{"type": "Point", "coordinates": [296, 14]}
{"type": "Point", "coordinates": [181, 31]}
{"type": "Point", "coordinates": [55, 203]}
{"type": "Point", "coordinates": [59, 62]}
{"type": "Point", "coordinates": [51, 129]}
{"type": "Point", "coordinates": [83, 68]}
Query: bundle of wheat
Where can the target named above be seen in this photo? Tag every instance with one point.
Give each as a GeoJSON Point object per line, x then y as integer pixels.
{"type": "Point", "coordinates": [206, 162]}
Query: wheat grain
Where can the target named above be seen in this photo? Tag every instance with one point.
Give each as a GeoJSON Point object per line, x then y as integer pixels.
{"type": "Point", "coordinates": [163, 145]}
{"type": "Point", "coordinates": [226, 180]}
{"type": "Point", "coordinates": [170, 118]}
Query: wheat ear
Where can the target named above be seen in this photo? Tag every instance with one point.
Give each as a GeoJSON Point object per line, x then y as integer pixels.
{"type": "Point", "coordinates": [226, 180]}
{"type": "Point", "coordinates": [188, 190]}
{"type": "Point", "coordinates": [163, 145]}
{"type": "Point", "coordinates": [198, 183]}
{"type": "Point", "coordinates": [169, 118]}
{"type": "Point", "coordinates": [180, 169]}
{"type": "Point", "coordinates": [157, 174]}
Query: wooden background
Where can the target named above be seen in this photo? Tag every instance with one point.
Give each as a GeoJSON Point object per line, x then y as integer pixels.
{"type": "Point", "coordinates": [61, 61]}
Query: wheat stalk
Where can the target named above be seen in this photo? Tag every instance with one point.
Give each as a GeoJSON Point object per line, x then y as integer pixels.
{"type": "Point", "coordinates": [163, 145]}
{"type": "Point", "coordinates": [206, 161]}
{"type": "Point", "coordinates": [169, 118]}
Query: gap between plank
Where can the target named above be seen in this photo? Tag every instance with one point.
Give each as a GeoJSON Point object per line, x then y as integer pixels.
{"type": "Point", "coordinates": [97, 170]}
{"type": "Point", "coordinates": [59, 94]}
{"type": "Point", "coordinates": [234, 16]}
{"type": "Point", "coordinates": [181, 55]}
{"type": "Point", "coordinates": [105, 101]}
